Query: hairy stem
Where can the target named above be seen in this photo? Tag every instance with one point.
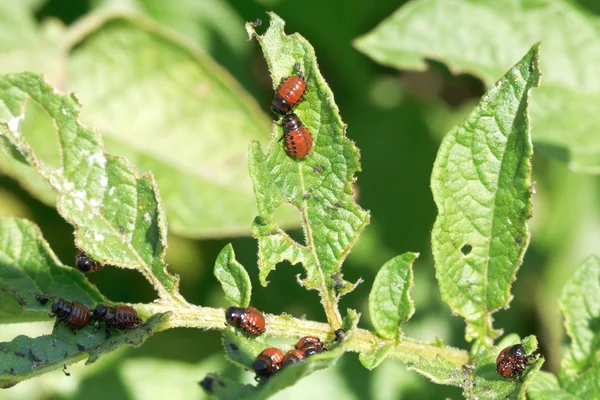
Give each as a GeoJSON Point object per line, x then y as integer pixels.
{"type": "Point", "coordinates": [406, 349]}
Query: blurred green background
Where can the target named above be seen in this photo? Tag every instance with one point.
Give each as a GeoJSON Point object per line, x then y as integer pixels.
{"type": "Point", "coordinates": [397, 120]}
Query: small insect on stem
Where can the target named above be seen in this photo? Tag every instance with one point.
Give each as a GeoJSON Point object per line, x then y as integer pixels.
{"type": "Point", "coordinates": [120, 317]}
{"type": "Point", "coordinates": [248, 319]}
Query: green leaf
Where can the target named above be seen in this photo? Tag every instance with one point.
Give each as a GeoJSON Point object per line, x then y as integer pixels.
{"type": "Point", "coordinates": [233, 277]}
{"type": "Point", "coordinates": [242, 349]}
{"type": "Point", "coordinates": [23, 45]}
{"type": "Point", "coordinates": [389, 300]}
{"type": "Point", "coordinates": [481, 182]}
{"type": "Point", "coordinates": [171, 110]}
{"type": "Point", "coordinates": [563, 113]}
{"type": "Point", "coordinates": [28, 267]}
{"type": "Point", "coordinates": [545, 386]}
{"type": "Point", "coordinates": [212, 24]}
{"type": "Point", "coordinates": [480, 379]}
{"type": "Point", "coordinates": [25, 357]}
{"type": "Point", "coordinates": [372, 360]}
{"type": "Point", "coordinates": [580, 304]}
{"type": "Point", "coordinates": [117, 215]}
{"type": "Point", "coordinates": [319, 186]}
{"type": "Point", "coordinates": [158, 378]}
{"type": "Point", "coordinates": [226, 389]}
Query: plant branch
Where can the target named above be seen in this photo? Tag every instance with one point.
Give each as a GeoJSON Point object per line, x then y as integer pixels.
{"type": "Point", "coordinates": [285, 326]}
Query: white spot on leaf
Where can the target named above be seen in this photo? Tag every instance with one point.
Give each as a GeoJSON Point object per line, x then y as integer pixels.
{"type": "Point", "coordinates": [13, 124]}
{"type": "Point", "coordinates": [79, 204]}
{"type": "Point", "coordinates": [111, 191]}
{"type": "Point", "coordinates": [98, 237]}
{"type": "Point", "coordinates": [147, 217]}
{"type": "Point", "coordinates": [104, 181]}
{"type": "Point", "coordinates": [97, 158]}
{"type": "Point", "coordinates": [94, 203]}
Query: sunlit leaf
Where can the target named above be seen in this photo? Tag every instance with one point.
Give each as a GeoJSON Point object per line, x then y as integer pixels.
{"type": "Point", "coordinates": [580, 304]}
{"type": "Point", "coordinates": [171, 110]}
{"type": "Point", "coordinates": [233, 277]}
{"type": "Point", "coordinates": [481, 182]}
{"type": "Point", "coordinates": [484, 38]}
{"type": "Point", "coordinates": [389, 301]}
{"type": "Point", "coordinates": [318, 186]}
{"type": "Point", "coordinates": [117, 215]}
{"type": "Point", "coordinates": [25, 357]}
{"type": "Point", "coordinates": [29, 267]}
{"type": "Point", "coordinates": [480, 380]}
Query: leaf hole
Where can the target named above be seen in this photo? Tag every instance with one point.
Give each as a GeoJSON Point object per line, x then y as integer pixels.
{"type": "Point", "coordinates": [37, 127]}
{"type": "Point", "coordinates": [466, 249]}
{"type": "Point", "coordinates": [289, 219]}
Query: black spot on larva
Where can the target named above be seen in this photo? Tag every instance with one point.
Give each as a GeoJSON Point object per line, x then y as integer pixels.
{"type": "Point", "coordinates": [64, 370]}
{"type": "Point", "coordinates": [19, 354]}
{"type": "Point", "coordinates": [306, 196]}
{"type": "Point", "coordinates": [466, 249]}
{"type": "Point", "coordinates": [233, 347]}
{"type": "Point", "coordinates": [80, 347]}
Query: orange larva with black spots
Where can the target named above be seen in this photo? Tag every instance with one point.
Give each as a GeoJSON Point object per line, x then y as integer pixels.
{"type": "Point", "coordinates": [268, 362]}
{"type": "Point", "coordinates": [289, 93]}
{"type": "Point", "coordinates": [248, 319]}
{"type": "Point", "coordinates": [298, 139]}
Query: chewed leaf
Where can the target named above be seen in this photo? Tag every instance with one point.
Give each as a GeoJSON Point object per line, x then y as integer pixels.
{"type": "Point", "coordinates": [372, 360]}
{"type": "Point", "coordinates": [580, 304]}
{"type": "Point", "coordinates": [389, 300]}
{"type": "Point", "coordinates": [26, 357]}
{"type": "Point", "coordinates": [170, 109]}
{"type": "Point", "coordinates": [29, 267]}
{"type": "Point", "coordinates": [117, 215]}
{"type": "Point", "coordinates": [233, 277]}
{"type": "Point", "coordinates": [481, 183]}
{"type": "Point", "coordinates": [319, 186]}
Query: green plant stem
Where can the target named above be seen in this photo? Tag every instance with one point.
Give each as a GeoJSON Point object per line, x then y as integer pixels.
{"type": "Point", "coordinates": [406, 349]}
